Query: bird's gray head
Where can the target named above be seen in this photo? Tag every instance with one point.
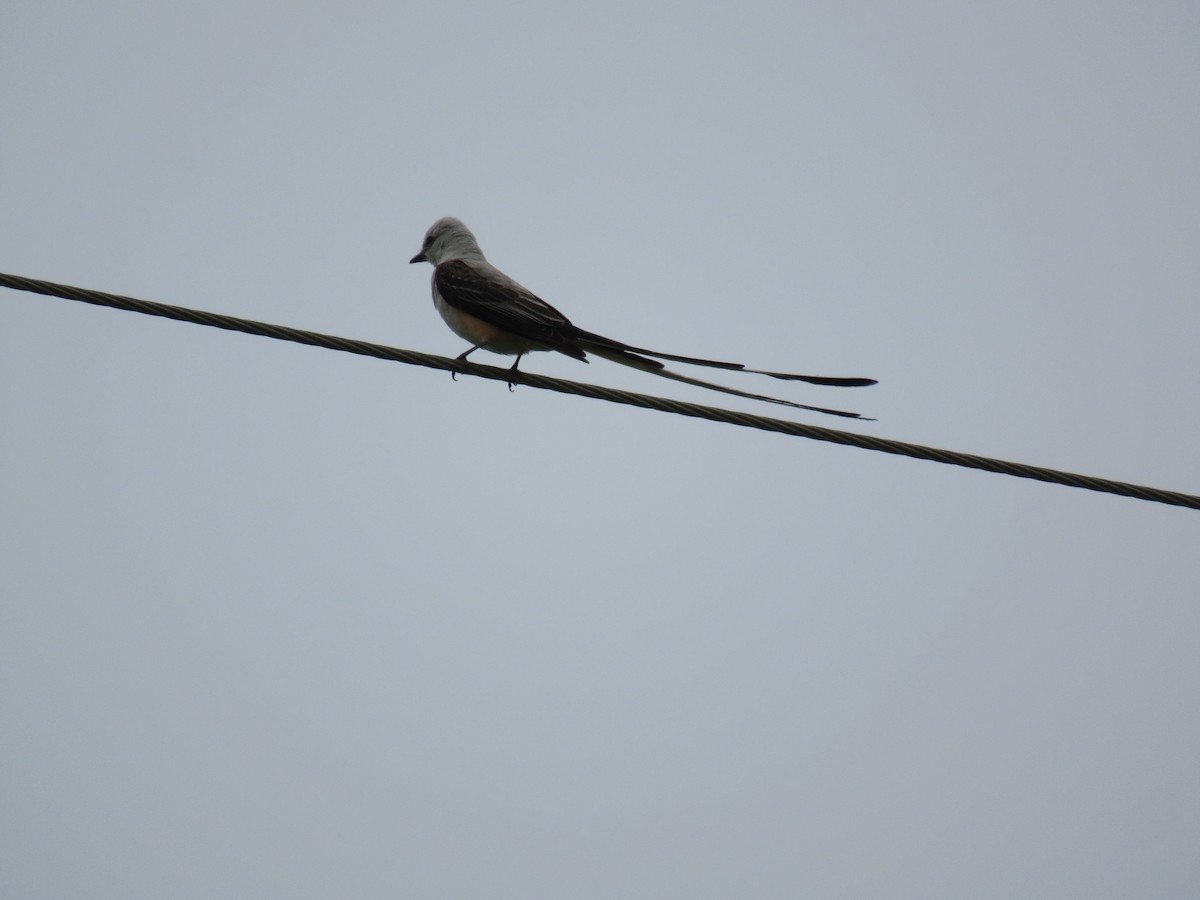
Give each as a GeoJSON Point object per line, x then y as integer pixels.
{"type": "Point", "coordinates": [448, 238]}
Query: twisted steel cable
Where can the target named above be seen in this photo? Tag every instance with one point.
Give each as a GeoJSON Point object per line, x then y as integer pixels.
{"type": "Point", "coordinates": [662, 404]}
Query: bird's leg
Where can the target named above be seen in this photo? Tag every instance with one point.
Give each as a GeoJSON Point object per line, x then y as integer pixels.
{"type": "Point", "coordinates": [462, 357]}
{"type": "Point", "coordinates": [514, 368]}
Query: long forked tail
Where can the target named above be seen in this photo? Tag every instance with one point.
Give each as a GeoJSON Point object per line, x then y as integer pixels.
{"type": "Point", "coordinates": [627, 358]}
{"type": "Point", "coordinates": [595, 342]}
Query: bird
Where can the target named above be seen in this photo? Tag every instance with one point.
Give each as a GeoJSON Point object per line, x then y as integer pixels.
{"type": "Point", "coordinates": [493, 312]}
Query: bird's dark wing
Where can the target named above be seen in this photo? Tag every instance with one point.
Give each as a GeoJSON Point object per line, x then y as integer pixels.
{"type": "Point", "coordinates": [491, 296]}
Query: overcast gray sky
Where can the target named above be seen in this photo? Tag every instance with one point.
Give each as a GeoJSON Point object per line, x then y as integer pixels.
{"type": "Point", "coordinates": [284, 622]}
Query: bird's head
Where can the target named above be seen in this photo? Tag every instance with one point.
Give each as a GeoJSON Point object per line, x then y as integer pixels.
{"type": "Point", "coordinates": [446, 239]}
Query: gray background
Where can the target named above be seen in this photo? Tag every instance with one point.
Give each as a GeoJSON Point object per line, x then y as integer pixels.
{"type": "Point", "coordinates": [283, 622]}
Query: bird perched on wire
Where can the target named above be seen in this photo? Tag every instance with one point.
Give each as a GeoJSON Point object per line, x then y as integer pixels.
{"type": "Point", "coordinates": [491, 311]}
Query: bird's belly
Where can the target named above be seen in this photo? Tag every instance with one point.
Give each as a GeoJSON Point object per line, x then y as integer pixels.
{"type": "Point", "coordinates": [481, 334]}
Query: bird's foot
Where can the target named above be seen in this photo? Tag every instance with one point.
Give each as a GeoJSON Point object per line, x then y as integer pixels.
{"type": "Point", "coordinates": [462, 358]}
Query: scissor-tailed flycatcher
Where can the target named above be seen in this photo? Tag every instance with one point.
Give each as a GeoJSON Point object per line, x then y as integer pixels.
{"type": "Point", "coordinates": [484, 306]}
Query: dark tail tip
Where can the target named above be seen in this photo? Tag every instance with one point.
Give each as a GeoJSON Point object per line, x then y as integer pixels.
{"type": "Point", "coordinates": [821, 379]}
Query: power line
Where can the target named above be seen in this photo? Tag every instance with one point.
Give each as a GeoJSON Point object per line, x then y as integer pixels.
{"type": "Point", "coordinates": [662, 404]}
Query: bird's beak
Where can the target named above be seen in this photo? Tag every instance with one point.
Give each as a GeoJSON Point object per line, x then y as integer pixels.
{"type": "Point", "coordinates": [420, 257]}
